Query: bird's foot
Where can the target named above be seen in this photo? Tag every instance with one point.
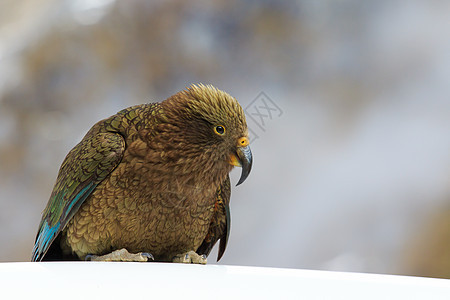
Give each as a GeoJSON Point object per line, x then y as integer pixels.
{"type": "Point", "coordinates": [122, 255]}
{"type": "Point", "coordinates": [190, 257]}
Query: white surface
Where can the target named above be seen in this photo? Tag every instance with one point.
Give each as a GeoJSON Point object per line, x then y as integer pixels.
{"type": "Point", "coordinates": [90, 280]}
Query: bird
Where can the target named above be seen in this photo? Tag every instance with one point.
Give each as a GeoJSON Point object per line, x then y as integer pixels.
{"type": "Point", "coordinates": [150, 183]}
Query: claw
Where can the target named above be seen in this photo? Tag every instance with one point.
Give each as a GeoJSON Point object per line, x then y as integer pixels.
{"type": "Point", "coordinates": [190, 257]}
{"type": "Point", "coordinates": [149, 256]}
{"type": "Point", "coordinates": [90, 257]}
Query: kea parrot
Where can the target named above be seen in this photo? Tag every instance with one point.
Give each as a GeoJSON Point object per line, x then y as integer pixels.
{"type": "Point", "coordinates": [149, 183]}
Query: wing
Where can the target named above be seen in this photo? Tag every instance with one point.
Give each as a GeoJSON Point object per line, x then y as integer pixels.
{"type": "Point", "coordinates": [220, 222]}
{"type": "Point", "coordinates": [86, 165]}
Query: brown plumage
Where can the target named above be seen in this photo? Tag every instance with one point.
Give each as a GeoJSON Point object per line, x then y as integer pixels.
{"type": "Point", "coordinates": [153, 178]}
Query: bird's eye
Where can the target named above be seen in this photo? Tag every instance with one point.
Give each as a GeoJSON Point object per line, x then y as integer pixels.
{"type": "Point", "coordinates": [219, 129]}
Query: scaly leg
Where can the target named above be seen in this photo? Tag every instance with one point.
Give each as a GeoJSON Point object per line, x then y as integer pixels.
{"type": "Point", "coordinates": [190, 257]}
{"type": "Point", "coordinates": [121, 255]}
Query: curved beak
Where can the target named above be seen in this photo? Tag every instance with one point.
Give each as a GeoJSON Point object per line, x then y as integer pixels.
{"type": "Point", "coordinates": [245, 157]}
{"type": "Point", "coordinates": [242, 158]}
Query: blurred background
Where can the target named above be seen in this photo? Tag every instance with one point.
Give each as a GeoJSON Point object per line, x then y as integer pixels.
{"type": "Point", "coordinates": [348, 103]}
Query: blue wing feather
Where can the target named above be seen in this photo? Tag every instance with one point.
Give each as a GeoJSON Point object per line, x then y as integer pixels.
{"type": "Point", "coordinates": [48, 233]}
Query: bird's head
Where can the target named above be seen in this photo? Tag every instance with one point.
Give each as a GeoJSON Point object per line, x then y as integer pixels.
{"type": "Point", "coordinates": [210, 124]}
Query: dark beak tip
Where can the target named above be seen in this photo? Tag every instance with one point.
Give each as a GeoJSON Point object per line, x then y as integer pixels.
{"type": "Point", "coordinates": [240, 181]}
